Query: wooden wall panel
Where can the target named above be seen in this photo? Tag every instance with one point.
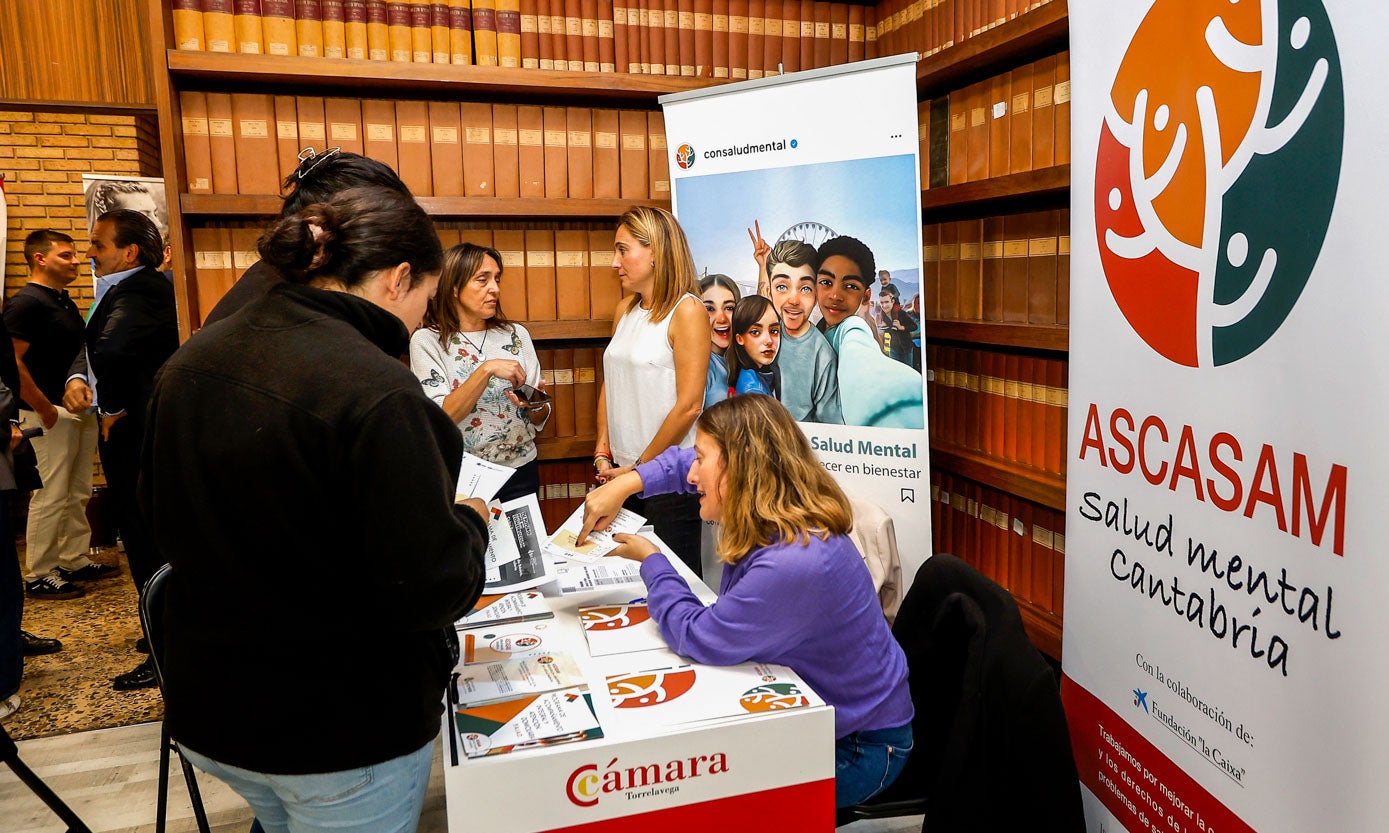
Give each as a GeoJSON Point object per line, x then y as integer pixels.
{"type": "Point", "coordinates": [93, 52]}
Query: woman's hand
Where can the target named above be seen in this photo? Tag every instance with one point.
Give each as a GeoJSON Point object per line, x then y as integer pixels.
{"type": "Point", "coordinates": [633, 547]}
{"type": "Point", "coordinates": [508, 370]}
{"type": "Point", "coordinates": [608, 472]}
{"type": "Point", "coordinates": [603, 503]}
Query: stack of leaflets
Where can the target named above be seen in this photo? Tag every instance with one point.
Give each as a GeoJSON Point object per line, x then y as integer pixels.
{"type": "Point", "coordinates": [494, 644]}
{"type": "Point", "coordinates": [619, 629]}
{"type": "Point", "coordinates": [515, 558]}
{"type": "Point", "coordinates": [514, 677]}
{"type": "Point", "coordinates": [577, 577]}
{"type": "Point", "coordinates": [525, 606]}
{"type": "Point", "coordinates": [681, 696]}
{"type": "Point", "coordinates": [600, 542]}
{"type": "Point", "coordinates": [536, 720]}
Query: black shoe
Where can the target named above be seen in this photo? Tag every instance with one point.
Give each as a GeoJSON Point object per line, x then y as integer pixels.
{"type": "Point", "coordinates": [91, 572]}
{"type": "Point", "coordinates": [52, 587]}
{"type": "Point", "coordinates": [37, 645]}
{"type": "Point", "coordinates": [142, 645]}
{"type": "Point", "coordinates": [141, 677]}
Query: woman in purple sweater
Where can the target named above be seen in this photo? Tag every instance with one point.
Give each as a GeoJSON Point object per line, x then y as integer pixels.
{"type": "Point", "coordinates": [794, 591]}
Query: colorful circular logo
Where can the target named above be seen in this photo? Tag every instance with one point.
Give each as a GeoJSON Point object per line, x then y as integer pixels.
{"type": "Point", "coordinates": [773, 697]}
{"type": "Point", "coordinates": [649, 688]}
{"type": "Point", "coordinates": [1217, 171]}
{"type": "Point", "coordinates": [685, 157]}
{"type": "Point", "coordinates": [613, 618]}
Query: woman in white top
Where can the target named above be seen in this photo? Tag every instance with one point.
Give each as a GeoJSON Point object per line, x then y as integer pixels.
{"type": "Point", "coordinates": [469, 357]}
{"type": "Point", "coordinates": [654, 368]}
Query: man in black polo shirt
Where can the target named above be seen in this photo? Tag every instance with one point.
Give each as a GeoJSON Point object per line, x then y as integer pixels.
{"type": "Point", "coordinates": [47, 331]}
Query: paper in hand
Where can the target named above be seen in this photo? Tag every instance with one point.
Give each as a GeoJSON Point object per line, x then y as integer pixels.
{"type": "Point", "coordinates": [600, 542]}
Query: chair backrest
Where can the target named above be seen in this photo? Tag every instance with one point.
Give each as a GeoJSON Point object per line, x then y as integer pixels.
{"type": "Point", "coordinates": [875, 536]}
{"type": "Point", "coordinates": [152, 617]}
{"type": "Point", "coordinates": [988, 711]}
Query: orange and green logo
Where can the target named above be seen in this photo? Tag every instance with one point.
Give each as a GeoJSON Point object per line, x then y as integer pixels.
{"type": "Point", "coordinates": [649, 688]}
{"type": "Point", "coordinates": [1217, 170]}
{"type": "Point", "coordinates": [613, 618]}
{"type": "Point", "coordinates": [773, 697]}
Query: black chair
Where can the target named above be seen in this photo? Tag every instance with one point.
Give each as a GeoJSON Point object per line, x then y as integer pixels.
{"type": "Point", "coordinates": [992, 751]}
{"type": "Point", "coordinates": [152, 620]}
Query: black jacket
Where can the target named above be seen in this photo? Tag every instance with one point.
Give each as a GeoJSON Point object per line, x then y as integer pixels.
{"type": "Point", "coordinates": [301, 484]}
{"type": "Point", "coordinates": [130, 334]}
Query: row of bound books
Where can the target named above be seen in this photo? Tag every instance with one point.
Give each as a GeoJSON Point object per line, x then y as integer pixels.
{"type": "Point", "coordinates": [1012, 123]}
{"type": "Point", "coordinates": [1020, 545]}
{"type": "Point", "coordinates": [572, 376]}
{"type": "Point", "coordinates": [734, 39]}
{"type": "Point", "coordinates": [1004, 405]}
{"type": "Point", "coordinates": [562, 490]}
{"type": "Point", "coordinates": [928, 26]}
{"type": "Point", "coordinates": [439, 148]}
{"type": "Point", "coordinates": [1014, 268]}
{"type": "Point", "coordinates": [548, 274]}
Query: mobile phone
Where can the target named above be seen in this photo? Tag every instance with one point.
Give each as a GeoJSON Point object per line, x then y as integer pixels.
{"type": "Point", "coordinates": [533, 397]}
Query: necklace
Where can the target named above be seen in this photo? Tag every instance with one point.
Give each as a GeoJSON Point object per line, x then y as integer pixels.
{"type": "Point", "coordinates": [475, 345]}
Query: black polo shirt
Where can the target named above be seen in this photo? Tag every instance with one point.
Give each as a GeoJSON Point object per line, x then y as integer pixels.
{"type": "Point", "coordinates": [49, 321]}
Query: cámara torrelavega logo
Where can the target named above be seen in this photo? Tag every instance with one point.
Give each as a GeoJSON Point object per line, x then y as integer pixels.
{"type": "Point", "coordinates": [1217, 170]}
{"type": "Point", "coordinates": [590, 782]}
{"type": "Point", "coordinates": [685, 156]}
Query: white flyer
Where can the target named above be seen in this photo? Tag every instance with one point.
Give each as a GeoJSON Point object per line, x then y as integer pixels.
{"type": "Point", "coordinates": [678, 696]}
{"type": "Point", "coordinates": [535, 720]}
{"type": "Point", "coordinates": [600, 542]}
{"type": "Point", "coordinates": [489, 611]}
{"type": "Point", "coordinates": [494, 681]}
{"type": "Point", "coordinates": [503, 642]}
{"type": "Point", "coordinates": [577, 577]}
{"type": "Point", "coordinates": [515, 558]}
{"type": "Point", "coordinates": [619, 629]}
{"type": "Point", "coordinates": [480, 479]}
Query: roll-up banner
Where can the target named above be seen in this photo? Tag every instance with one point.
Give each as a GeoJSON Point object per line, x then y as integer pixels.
{"type": "Point", "coordinates": [805, 186]}
{"type": "Point", "coordinates": [1229, 463]}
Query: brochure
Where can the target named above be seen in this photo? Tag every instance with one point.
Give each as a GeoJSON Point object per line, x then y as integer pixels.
{"type": "Point", "coordinates": [515, 559]}
{"type": "Point", "coordinates": [509, 678]}
{"type": "Point", "coordinates": [502, 609]}
{"type": "Point", "coordinates": [682, 695]}
{"type": "Point", "coordinates": [577, 577]}
{"type": "Point", "coordinates": [600, 542]}
{"type": "Point", "coordinates": [483, 645]}
{"type": "Point", "coordinates": [480, 479]}
{"type": "Point", "coordinates": [619, 629]}
{"type": "Point", "coordinates": [535, 720]}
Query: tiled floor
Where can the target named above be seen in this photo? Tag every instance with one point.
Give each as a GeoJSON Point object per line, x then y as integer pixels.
{"type": "Point", "coordinates": [110, 778]}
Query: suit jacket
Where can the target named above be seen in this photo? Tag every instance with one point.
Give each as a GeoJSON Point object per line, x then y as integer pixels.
{"type": "Point", "coordinates": [129, 336]}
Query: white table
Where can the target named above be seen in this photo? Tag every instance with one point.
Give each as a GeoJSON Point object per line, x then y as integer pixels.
{"type": "Point", "coordinates": [767, 771]}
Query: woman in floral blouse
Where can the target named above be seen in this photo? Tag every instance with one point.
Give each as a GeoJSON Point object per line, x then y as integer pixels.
{"type": "Point", "coordinates": [469, 357]}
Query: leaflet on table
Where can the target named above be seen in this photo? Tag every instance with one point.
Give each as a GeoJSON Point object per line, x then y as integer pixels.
{"type": "Point", "coordinates": [515, 558]}
{"type": "Point", "coordinates": [577, 577]}
{"type": "Point", "coordinates": [678, 696]}
{"type": "Point", "coordinates": [536, 720]}
{"type": "Point", "coordinates": [619, 629]}
{"type": "Point", "coordinates": [510, 678]}
{"type": "Point", "coordinates": [600, 542]}
{"type": "Point", "coordinates": [481, 479]}
{"type": "Point", "coordinates": [526, 606]}
{"type": "Point", "coordinates": [503, 642]}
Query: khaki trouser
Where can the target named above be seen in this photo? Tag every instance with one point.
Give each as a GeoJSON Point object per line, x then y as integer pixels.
{"type": "Point", "coordinates": [58, 534]}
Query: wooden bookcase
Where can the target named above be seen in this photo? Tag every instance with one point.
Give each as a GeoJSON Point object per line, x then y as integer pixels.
{"type": "Point", "coordinates": [1038, 33]}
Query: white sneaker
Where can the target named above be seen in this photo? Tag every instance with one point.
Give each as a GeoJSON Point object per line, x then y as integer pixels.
{"type": "Point", "coordinates": [9, 706]}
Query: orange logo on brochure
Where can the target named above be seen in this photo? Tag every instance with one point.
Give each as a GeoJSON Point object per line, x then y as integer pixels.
{"type": "Point", "coordinates": [649, 688]}
{"type": "Point", "coordinates": [613, 618]}
{"type": "Point", "coordinates": [773, 697]}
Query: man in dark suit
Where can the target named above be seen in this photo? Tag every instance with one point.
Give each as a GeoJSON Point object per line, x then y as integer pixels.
{"type": "Point", "coordinates": [133, 328]}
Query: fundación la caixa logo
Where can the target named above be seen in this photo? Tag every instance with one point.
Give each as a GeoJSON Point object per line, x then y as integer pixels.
{"type": "Point", "coordinates": [1217, 171]}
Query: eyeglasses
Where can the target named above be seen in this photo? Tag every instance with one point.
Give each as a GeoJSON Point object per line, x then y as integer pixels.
{"type": "Point", "coordinates": [310, 159]}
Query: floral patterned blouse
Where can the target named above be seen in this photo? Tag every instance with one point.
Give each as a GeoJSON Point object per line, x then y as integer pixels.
{"type": "Point", "coordinates": [496, 430]}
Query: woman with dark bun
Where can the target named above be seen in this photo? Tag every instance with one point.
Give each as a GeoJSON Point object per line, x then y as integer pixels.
{"type": "Point", "coordinates": [301, 484]}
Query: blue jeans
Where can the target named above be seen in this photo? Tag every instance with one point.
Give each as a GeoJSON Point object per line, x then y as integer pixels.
{"type": "Point", "coordinates": [866, 763]}
{"type": "Point", "coordinates": [385, 797]}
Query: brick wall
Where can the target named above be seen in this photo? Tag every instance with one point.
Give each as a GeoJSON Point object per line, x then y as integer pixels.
{"type": "Point", "coordinates": [43, 157]}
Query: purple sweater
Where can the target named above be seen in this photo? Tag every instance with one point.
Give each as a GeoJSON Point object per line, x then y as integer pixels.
{"type": "Point", "coordinates": [810, 607]}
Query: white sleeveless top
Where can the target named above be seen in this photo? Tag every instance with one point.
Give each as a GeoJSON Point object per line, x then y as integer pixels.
{"type": "Point", "coordinates": [639, 383]}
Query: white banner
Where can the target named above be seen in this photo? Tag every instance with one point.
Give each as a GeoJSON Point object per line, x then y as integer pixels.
{"type": "Point", "coordinates": [1227, 454]}
{"type": "Point", "coordinates": [827, 158]}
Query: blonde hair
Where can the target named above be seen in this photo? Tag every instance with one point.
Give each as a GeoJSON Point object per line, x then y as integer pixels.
{"type": "Point", "coordinates": [670, 252]}
{"type": "Point", "coordinates": [774, 487]}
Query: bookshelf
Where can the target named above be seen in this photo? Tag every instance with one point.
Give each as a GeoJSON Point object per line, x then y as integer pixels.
{"type": "Point", "coordinates": [974, 483]}
{"type": "Point", "coordinates": [264, 205]}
